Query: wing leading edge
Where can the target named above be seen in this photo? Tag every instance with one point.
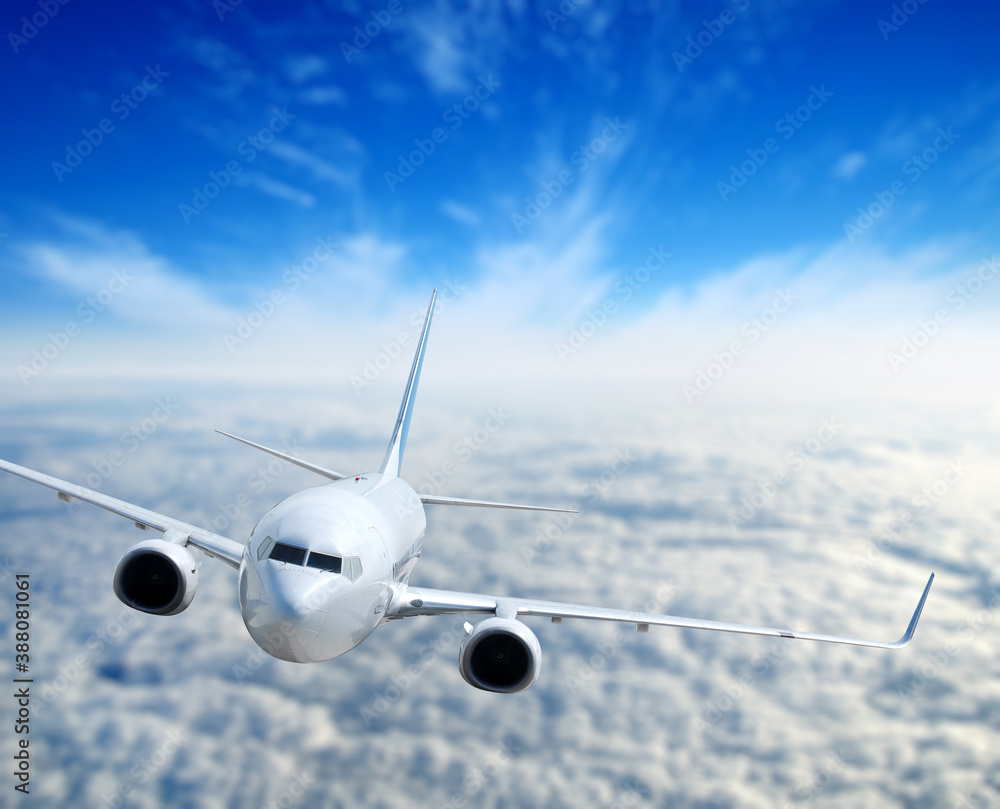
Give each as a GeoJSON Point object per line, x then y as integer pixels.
{"type": "Point", "coordinates": [413, 601]}
{"type": "Point", "coordinates": [220, 547]}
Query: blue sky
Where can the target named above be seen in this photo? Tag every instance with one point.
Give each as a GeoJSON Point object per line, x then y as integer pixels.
{"type": "Point", "coordinates": [553, 82]}
{"type": "Point", "coordinates": [533, 157]}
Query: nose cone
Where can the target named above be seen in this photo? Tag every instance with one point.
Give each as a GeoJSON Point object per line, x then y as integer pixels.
{"type": "Point", "coordinates": [284, 612]}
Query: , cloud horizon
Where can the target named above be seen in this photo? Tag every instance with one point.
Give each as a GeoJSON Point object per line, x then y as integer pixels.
{"type": "Point", "coordinates": [724, 277]}
{"type": "Point", "coordinates": [786, 332]}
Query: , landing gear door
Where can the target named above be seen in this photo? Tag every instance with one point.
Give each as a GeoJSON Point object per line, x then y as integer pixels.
{"type": "Point", "coordinates": [386, 592]}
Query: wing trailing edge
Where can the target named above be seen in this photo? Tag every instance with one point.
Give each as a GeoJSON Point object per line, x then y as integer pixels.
{"type": "Point", "coordinates": [411, 601]}
{"type": "Point", "coordinates": [219, 547]}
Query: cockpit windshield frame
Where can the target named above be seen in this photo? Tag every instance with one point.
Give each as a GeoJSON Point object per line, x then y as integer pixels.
{"type": "Point", "coordinates": [324, 561]}
{"type": "Point", "coordinates": [349, 567]}
{"type": "Point", "coordinates": [289, 554]}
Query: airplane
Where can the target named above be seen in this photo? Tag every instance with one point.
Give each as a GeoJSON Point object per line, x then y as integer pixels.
{"type": "Point", "coordinates": [326, 566]}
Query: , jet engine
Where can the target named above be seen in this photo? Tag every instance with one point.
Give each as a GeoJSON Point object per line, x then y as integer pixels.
{"type": "Point", "coordinates": [500, 654]}
{"type": "Point", "coordinates": [157, 577]}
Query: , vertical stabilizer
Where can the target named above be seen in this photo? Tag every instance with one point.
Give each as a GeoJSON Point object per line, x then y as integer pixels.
{"type": "Point", "coordinates": [394, 454]}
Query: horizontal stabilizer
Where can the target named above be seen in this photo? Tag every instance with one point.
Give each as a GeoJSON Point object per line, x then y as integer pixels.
{"type": "Point", "coordinates": [435, 500]}
{"type": "Point", "coordinates": [319, 470]}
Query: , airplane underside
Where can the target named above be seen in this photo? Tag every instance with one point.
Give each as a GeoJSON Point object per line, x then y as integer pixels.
{"type": "Point", "coordinates": [326, 566]}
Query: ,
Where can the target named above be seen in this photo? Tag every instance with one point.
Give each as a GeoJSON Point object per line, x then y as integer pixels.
{"type": "Point", "coordinates": [326, 566]}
